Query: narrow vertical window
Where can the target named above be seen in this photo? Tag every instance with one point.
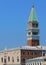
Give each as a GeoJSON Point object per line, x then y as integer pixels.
{"type": "Point", "coordinates": [23, 60]}
{"type": "Point", "coordinates": [17, 58]}
{"type": "Point", "coordinates": [40, 63]}
{"type": "Point", "coordinates": [8, 59]}
{"type": "Point", "coordinates": [24, 53]}
{"type": "Point", "coordinates": [5, 60]}
{"type": "Point", "coordinates": [28, 53]}
{"type": "Point", "coordinates": [12, 59]}
{"type": "Point", "coordinates": [2, 59]}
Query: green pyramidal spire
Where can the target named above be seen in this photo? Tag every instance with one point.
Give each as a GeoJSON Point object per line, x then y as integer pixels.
{"type": "Point", "coordinates": [32, 17]}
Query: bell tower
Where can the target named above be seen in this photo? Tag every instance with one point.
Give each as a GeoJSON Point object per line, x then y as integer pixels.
{"type": "Point", "coordinates": [32, 30]}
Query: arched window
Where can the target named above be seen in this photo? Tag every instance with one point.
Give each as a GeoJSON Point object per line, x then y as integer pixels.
{"type": "Point", "coordinates": [12, 59]}
{"type": "Point", "coordinates": [2, 59]}
{"type": "Point", "coordinates": [17, 58]}
{"type": "Point", "coordinates": [23, 52]}
{"type": "Point", "coordinates": [8, 59]}
{"type": "Point", "coordinates": [23, 60]}
{"type": "Point", "coordinates": [28, 53]}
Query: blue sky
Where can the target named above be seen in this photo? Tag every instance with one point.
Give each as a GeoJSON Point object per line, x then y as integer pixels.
{"type": "Point", "coordinates": [14, 16]}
